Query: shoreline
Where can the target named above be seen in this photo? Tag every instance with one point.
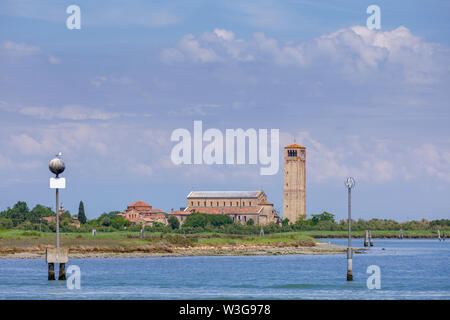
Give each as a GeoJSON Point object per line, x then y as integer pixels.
{"type": "Point", "coordinates": [155, 251]}
{"type": "Point", "coordinates": [414, 236]}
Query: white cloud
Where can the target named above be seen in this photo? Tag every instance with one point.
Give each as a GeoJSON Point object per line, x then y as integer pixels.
{"type": "Point", "coordinates": [224, 34]}
{"type": "Point", "coordinates": [373, 160]}
{"type": "Point", "coordinates": [200, 109]}
{"type": "Point", "coordinates": [354, 52]}
{"type": "Point", "coordinates": [54, 60]}
{"type": "Point", "coordinates": [191, 47]}
{"type": "Point", "coordinates": [67, 112]}
{"type": "Point", "coordinates": [101, 80]}
{"type": "Point", "coordinates": [20, 49]}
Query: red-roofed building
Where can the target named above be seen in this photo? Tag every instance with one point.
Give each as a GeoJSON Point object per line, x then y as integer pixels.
{"type": "Point", "coordinates": [240, 206]}
{"type": "Point", "coordinates": [141, 212]}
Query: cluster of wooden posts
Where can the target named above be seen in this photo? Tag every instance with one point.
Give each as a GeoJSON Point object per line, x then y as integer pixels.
{"type": "Point", "coordinates": [53, 256]}
{"type": "Point", "coordinates": [368, 239]}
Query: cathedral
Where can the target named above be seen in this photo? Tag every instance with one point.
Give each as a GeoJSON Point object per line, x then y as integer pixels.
{"type": "Point", "coordinates": [242, 206]}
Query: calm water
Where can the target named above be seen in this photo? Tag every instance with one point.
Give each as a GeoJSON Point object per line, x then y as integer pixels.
{"type": "Point", "coordinates": [410, 269]}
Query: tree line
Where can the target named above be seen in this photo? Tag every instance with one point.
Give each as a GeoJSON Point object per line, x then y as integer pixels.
{"type": "Point", "coordinates": [21, 217]}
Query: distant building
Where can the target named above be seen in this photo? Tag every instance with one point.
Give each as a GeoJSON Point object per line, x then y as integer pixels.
{"type": "Point", "coordinates": [294, 197]}
{"type": "Point", "coordinates": [240, 206]}
{"type": "Point", "coordinates": [141, 212]}
{"type": "Point", "coordinates": [75, 222]}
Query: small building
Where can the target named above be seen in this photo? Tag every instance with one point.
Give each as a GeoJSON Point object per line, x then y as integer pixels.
{"type": "Point", "coordinates": [240, 206]}
{"type": "Point", "coordinates": [143, 213]}
{"type": "Point", "coordinates": [75, 222]}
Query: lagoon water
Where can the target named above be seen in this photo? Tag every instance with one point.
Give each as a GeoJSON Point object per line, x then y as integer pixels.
{"type": "Point", "coordinates": [410, 269]}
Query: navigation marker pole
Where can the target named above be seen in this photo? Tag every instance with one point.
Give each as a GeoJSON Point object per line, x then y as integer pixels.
{"type": "Point", "coordinates": [350, 183]}
{"type": "Point", "coordinates": [57, 255]}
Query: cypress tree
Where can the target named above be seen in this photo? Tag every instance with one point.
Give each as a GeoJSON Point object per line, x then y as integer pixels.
{"type": "Point", "coordinates": [81, 215]}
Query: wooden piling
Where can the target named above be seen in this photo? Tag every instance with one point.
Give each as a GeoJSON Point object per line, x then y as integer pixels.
{"type": "Point", "coordinates": [349, 265]}
{"type": "Point", "coordinates": [62, 271]}
{"type": "Point", "coordinates": [51, 271]}
{"type": "Point", "coordinates": [57, 255]}
{"type": "Point", "coordinates": [370, 238]}
{"type": "Point", "coordinates": [366, 238]}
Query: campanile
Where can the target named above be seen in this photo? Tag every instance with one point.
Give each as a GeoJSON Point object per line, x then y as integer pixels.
{"type": "Point", "coordinates": [294, 197]}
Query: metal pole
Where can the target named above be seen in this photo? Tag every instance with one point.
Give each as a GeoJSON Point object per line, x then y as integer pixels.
{"type": "Point", "coordinates": [349, 249]}
{"type": "Point", "coordinates": [57, 218]}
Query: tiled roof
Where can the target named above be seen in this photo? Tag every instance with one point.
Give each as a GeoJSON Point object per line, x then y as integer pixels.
{"type": "Point", "coordinates": [139, 204]}
{"type": "Point", "coordinates": [185, 213]}
{"type": "Point", "coordinates": [223, 194]}
{"type": "Point", "coordinates": [294, 146]}
{"type": "Point", "coordinates": [248, 210]}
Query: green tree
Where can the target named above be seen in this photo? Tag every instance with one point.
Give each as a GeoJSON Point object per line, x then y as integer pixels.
{"type": "Point", "coordinates": [119, 223]}
{"type": "Point", "coordinates": [81, 215]}
{"type": "Point", "coordinates": [324, 216]}
{"type": "Point", "coordinates": [250, 222]}
{"type": "Point", "coordinates": [174, 223]}
{"type": "Point", "coordinates": [17, 214]}
{"type": "Point", "coordinates": [201, 220]}
{"type": "Point", "coordinates": [285, 222]}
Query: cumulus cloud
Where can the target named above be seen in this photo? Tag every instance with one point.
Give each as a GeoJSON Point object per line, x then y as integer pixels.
{"type": "Point", "coordinates": [354, 51]}
{"type": "Point", "coordinates": [372, 160]}
{"type": "Point", "coordinates": [92, 149]}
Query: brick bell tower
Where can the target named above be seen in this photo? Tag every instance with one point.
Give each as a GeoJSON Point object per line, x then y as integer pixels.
{"type": "Point", "coordinates": [294, 197]}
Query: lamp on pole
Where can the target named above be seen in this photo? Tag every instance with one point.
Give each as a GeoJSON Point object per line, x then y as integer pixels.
{"type": "Point", "coordinates": [349, 183]}
{"type": "Point", "coordinates": [57, 167]}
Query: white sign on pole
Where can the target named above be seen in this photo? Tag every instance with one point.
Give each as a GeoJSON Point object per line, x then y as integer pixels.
{"type": "Point", "coordinates": [57, 183]}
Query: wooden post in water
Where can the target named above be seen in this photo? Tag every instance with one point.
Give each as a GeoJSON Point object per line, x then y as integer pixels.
{"type": "Point", "coordinates": [370, 238]}
{"type": "Point", "coordinates": [51, 271]}
{"type": "Point", "coordinates": [366, 239]}
{"type": "Point", "coordinates": [62, 271]}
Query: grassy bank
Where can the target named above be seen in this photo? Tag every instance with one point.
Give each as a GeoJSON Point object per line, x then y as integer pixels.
{"type": "Point", "coordinates": [21, 241]}
{"type": "Point", "coordinates": [17, 242]}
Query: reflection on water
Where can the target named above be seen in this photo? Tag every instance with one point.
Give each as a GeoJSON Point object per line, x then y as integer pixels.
{"type": "Point", "coordinates": [410, 269]}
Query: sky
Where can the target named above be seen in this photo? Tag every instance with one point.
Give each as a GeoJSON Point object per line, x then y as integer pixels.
{"type": "Point", "coordinates": [372, 104]}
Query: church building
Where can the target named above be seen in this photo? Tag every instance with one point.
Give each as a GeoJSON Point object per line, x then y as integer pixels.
{"type": "Point", "coordinates": [240, 206]}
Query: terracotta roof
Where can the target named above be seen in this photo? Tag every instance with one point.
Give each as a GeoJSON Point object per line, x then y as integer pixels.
{"type": "Point", "coordinates": [224, 194]}
{"type": "Point", "coordinates": [265, 202]}
{"type": "Point", "coordinates": [184, 213]}
{"type": "Point", "coordinates": [294, 146]}
{"type": "Point", "coordinates": [230, 210]}
{"type": "Point", "coordinates": [139, 204]}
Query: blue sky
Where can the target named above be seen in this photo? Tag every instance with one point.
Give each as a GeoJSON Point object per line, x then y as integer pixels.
{"type": "Point", "coordinates": [371, 104]}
